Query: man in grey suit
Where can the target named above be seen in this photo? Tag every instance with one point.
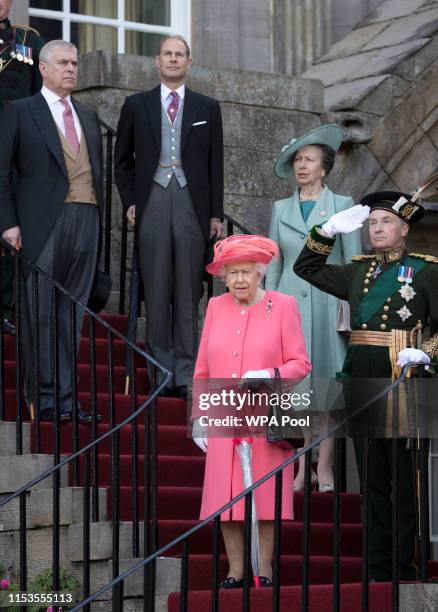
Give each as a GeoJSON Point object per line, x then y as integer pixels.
{"type": "Point", "coordinates": [169, 172]}
{"type": "Point", "coordinates": [52, 214]}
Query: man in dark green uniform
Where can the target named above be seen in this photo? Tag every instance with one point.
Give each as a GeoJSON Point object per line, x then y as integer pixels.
{"type": "Point", "coordinates": [19, 78]}
{"type": "Point", "coordinates": [389, 292]}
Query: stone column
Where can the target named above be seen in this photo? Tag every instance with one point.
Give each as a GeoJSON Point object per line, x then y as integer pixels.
{"type": "Point", "coordinates": [302, 33]}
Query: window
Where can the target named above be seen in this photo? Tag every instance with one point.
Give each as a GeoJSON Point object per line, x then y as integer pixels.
{"type": "Point", "coordinates": [118, 26]}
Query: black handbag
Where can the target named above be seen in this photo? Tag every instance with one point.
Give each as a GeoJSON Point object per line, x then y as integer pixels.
{"type": "Point", "coordinates": [275, 431]}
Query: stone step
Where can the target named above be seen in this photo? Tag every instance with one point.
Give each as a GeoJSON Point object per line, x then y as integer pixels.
{"type": "Point", "coordinates": [18, 470]}
{"type": "Point", "coordinates": [8, 438]}
{"type": "Point", "coordinates": [39, 508]}
{"type": "Point", "coordinates": [130, 605]}
{"type": "Point", "coordinates": [101, 541]}
{"type": "Point", "coordinates": [168, 576]}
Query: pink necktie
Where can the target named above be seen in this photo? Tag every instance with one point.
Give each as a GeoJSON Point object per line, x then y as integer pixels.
{"type": "Point", "coordinates": [69, 124]}
{"type": "Point", "coordinates": [173, 107]}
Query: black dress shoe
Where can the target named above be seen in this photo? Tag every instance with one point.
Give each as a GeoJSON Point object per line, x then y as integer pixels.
{"type": "Point", "coordinates": [166, 392]}
{"type": "Point", "coordinates": [47, 414]}
{"type": "Point", "coordinates": [231, 583]}
{"type": "Point", "coordinates": [264, 581]}
{"type": "Point", "coordinates": [87, 417]}
{"type": "Point", "coordinates": [181, 392]}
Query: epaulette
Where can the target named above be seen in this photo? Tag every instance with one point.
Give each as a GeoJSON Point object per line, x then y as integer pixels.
{"type": "Point", "coordinates": [362, 257]}
{"type": "Point", "coordinates": [428, 258]}
{"type": "Point", "coordinates": [27, 28]}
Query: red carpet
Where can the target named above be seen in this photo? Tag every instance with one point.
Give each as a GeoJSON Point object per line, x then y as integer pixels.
{"type": "Point", "coordinates": [180, 472]}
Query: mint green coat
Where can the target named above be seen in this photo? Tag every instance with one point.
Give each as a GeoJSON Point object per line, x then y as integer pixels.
{"type": "Point", "coordinates": [319, 311]}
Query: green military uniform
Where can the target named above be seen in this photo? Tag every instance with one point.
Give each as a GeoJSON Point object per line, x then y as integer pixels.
{"type": "Point", "coordinates": [381, 303]}
{"type": "Point", "coordinates": [19, 78]}
{"type": "Point", "coordinates": [19, 52]}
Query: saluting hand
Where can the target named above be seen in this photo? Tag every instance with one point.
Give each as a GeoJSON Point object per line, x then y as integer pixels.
{"type": "Point", "coordinates": [346, 221]}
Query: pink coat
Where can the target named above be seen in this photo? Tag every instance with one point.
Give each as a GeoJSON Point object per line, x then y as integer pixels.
{"type": "Point", "coordinates": [234, 340]}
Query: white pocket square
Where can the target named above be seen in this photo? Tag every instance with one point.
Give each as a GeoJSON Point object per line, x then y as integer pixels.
{"type": "Point", "coordinates": [199, 123]}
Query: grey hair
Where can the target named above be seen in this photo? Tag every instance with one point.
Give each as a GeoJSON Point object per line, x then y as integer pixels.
{"type": "Point", "coordinates": [49, 47]}
{"type": "Point", "coordinates": [176, 37]}
{"type": "Point", "coordinates": [260, 267]}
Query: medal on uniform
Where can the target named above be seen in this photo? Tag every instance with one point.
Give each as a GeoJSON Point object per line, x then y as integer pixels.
{"type": "Point", "coordinates": [405, 274]}
{"type": "Point", "coordinates": [377, 271]}
{"type": "Point", "coordinates": [404, 313]}
{"type": "Point", "coordinates": [407, 292]}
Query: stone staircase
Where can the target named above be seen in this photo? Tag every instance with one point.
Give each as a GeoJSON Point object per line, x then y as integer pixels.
{"type": "Point", "coordinates": [17, 470]}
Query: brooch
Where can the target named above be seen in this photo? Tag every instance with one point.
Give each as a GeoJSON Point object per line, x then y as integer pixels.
{"type": "Point", "coordinates": [404, 313]}
{"type": "Point", "coordinates": [269, 306]}
{"type": "Point", "coordinates": [407, 292]}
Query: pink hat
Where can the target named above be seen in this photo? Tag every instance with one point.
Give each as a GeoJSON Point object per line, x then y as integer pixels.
{"type": "Point", "coordinates": [239, 248]}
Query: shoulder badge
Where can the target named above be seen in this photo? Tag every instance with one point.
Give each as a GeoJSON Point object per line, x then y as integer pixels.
{"type": "Point", "coordinates": [428, 258]}
{"type": "Point", "coordinates": [26, 28]}
{"type": "Point", "coordinates": [362, 257]}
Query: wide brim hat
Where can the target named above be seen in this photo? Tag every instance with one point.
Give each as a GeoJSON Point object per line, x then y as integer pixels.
{"type": "Point", "coordinates": [396, 202]}
{"type": "Point", "coordinates": [330, 134]}
{"type": "Point", "coordinates": [240, 248]}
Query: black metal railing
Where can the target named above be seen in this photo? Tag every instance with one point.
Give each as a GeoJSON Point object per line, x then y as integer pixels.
{"type": "Point", "coordinates": [103, 371]}
{"type": "Point", "coordinates": [183, 602]}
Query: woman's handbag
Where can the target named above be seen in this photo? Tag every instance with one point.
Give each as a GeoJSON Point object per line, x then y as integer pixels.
{"type": "Point", "coordinates": [275, 431]}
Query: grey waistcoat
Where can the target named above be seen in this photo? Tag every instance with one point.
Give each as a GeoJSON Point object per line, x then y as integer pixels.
{"type": "Point", "coordinates": [170, 137]}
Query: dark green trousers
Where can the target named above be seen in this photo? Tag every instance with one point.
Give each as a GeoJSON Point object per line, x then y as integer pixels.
{"type": "Point", "coordinates": [380, 492]}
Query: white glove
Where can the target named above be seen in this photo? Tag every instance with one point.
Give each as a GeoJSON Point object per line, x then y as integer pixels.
{"type": "Point", "coordinates": [346, 221]}
{"type": "Point", "coordinates": [199, 435]}
{"type": "Point", "coordinates": [254, 375]}
{"type": "Point", "coordinates": [411, 355]}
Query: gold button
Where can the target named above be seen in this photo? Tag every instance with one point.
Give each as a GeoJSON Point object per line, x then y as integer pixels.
{"type": "Point", "coordinates": [365, 290]}
{"type": "Point", "coordinates": [371, 269]}
{"type": "Point", "coordinates": [385, 317]}
{"type": "Point", "coordinates": [386, 308]}
{"type": "Point", "coordinates": [364, 326]}
{"type": "Point", "coordinates": [388, 300]}
{"type": "Point", "coordinates": [366, 281]}
{"type": "Point", "coordinates": [373, 263]}
{"type": "Point", "coordinates": [368, 274]}
{"type": "Point", "coordinates": [383, 326]}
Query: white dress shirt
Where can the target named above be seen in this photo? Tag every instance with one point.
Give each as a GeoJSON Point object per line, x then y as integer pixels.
{"type": "Point", "coordinates": [57, 109]}
{"type": "Point", "coordinates": [166, 98]}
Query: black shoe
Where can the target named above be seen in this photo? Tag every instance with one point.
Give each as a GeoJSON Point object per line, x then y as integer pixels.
{"type": "Point", "coordinates": [166, 392]}
{"type": "Point", "coordinates": [181, 392]}
{"type": "Point", "coordinates": [47, 414]}
{"type": "Point", "coordinates": [8, 327]}
{"type": "Point", "coordinates": [87, 417]}
{"type": "Point", "coordinates": [264, 581]}
{"type": "Point", "coordinates": [231, 583]}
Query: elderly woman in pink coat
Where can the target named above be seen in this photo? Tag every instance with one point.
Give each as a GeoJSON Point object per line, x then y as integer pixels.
{"type": "Point", "coordinates": [247, 333]}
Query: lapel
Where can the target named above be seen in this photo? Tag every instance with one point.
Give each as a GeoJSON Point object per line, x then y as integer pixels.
{"type": "Point", "coordinates": [190, 110]}
{"type": "Point", "coordinates": [91, 134]}
{"type": "Point", "coordinates": [291, 215]}
{"type": "Point", "coordinates": [47, 126]}
{"type": "Point", "coordinates": [152, 100]}
{"type": "Point", "coordinates": [324, 205]}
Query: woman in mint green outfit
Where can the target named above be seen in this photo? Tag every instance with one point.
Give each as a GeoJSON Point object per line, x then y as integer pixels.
{"type": "Point", "coordinates": [309, 160]}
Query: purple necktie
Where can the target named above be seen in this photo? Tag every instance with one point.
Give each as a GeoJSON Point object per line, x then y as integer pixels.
{"type": "Point", "coordinates": [69, 124]}
{"type": "Point", "coordinates": [173, 107]}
